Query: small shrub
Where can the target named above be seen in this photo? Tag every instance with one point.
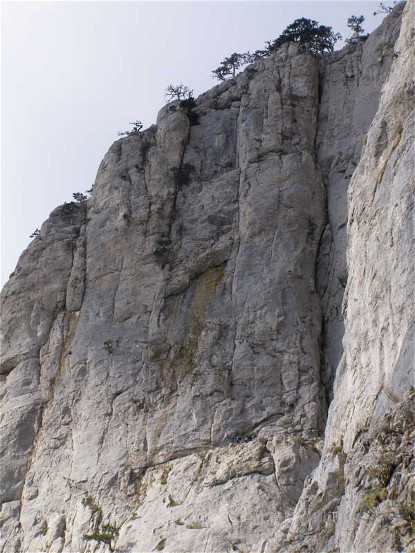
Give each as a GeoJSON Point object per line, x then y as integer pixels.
{"type": "Point", "coordinates": [36, 232]}
{"type": "Point", "coordinates": [342, 281]}
{"type": "Point", "coordinates": [106, 534]}
{"type": "Point", "coordinates": [110, 345]}
{"type": "Point", "coordinates": [330, 494]}
{"type": "Point", "coordinates": [202, 454]}
{"type": "Point", "coordinates": [99, 536]}
{"type": "Point", "coordinates": [335, 449]}
{"type": "Point", "coordinates": [383, 471]}
{"type": "Point", "coordinates": [161, 544]}
{"type": "Point", "coordinates": [177, 92]}
{"type": "Point", "coordinates": [372, 498]}
{"type": "Point", "coordinates": [182, 174]}
{"type": "Point", "coordinates": [110, 529]}
{"type": "Point", "coordinates": [179, 522]}
{"type": "Point", "coordinates": [359, 432]}
{"type": "Point", "coordinates": [138, 402]}
{"type": "Point", "coordinates": [383, 49]}
{"type": "Point", "coordinates": [68, 207]}
{"type": "Point", "coordinates": [141, 488]}
{"type": "Point", "coordinates": [407, 512]}
{"type": "Point", "coordinates": [338, 490]}
{"type": "Point", "coordinates": [90, 502]}
{"type": "Point", "coordinates": [188, 104]}
{"type": "Point", "coordinates": [325, 499]}
{"type": "Point", "coordinates": [172, 502]}
{"type": "Point", "coordinates": [251, 71]}
{"type": "Point", "coordinates": [137, 126]}
{"type": "Point", "coordinates": [80, 197]}
{"type": "Point", "coordinates": [195, 526]}
{"type": "Point", "coordinates": [165, 475]}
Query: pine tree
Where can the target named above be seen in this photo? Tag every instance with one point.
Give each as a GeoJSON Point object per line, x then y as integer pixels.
{"type": "Point", "coordinates": [355, 24]}
{"type": "Point", "coordinates": [229, 66]}
{"type": "Point", "coordinates": [319, 38]}
{"type": "Point", "coordinates": [80, 197]}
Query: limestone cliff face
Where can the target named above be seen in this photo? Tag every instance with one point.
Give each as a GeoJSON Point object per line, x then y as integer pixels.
{"type": "Point", "coordinates": [362, 497]}
{"type": "Point", "coordinates": [170, 345]}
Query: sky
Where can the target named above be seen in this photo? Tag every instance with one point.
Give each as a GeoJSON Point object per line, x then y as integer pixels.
{"type": "Point", "coordinates": [76, 73]}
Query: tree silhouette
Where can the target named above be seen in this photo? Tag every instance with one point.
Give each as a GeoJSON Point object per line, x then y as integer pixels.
{"type": "Point", "coordinates": [383, 8]}
{"type": "Point", "coordinates": [80, 197]}
{"type": "Point", "coordinates": [355, 24]}
{"type": "Point", "coordinates": [260, 54]}
{"type": "Point", "coordinates": [229, 66]}
{"type": "Point", "coordinates": [178, 92]}
{"type": "Point", "coordinates": [137, 126]}
{"type": "Point", "coordinates": [318, 38]}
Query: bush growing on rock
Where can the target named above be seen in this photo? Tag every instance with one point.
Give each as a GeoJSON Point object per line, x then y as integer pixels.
{"type": "Point", "coordinates": [189, 105]}
{"type": "Point", "coordinates": [107, 534]}
{"type": "Point", "coordinates": [80, 197]}
{"type": "Point", "coordinates": [178, 92]}
{"type": "Point", "coordinates": [182, 174]}
{"type": "Point", "coordinates": [137, 126]}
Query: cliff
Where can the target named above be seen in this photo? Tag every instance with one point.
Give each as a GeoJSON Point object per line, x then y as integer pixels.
{"type": "Point", "coordinates": [170, 346]}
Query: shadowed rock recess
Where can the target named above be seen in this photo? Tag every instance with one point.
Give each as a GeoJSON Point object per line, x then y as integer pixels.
{"type": "Point", "coordinates": [172, 346]}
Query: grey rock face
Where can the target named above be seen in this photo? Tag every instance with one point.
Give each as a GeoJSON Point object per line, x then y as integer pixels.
{"type": "Point", "coordinates": [164, 380]}
{"type": "Point", "coordinates": [361, 497]}
{"type": "Point", "coordinates": [350, 88]}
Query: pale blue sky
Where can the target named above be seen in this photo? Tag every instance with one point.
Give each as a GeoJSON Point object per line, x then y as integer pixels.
{"type": "Point", "coordinates": [76, 73]}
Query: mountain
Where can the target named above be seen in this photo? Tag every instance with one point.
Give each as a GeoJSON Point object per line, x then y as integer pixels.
{"type": "Point", "coordinates": [215, 351]}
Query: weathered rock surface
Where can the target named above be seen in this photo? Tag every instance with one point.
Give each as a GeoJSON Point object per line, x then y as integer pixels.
{"type": "Point", "coordinates": [350, 85]}
{"type": "Point", "coordinates": [362, 496]}
{"type": "Point", "coordinates": [170, 345]}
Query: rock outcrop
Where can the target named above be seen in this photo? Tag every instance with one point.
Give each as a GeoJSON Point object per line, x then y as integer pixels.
{"type": "Point", "coordinates": [170, 345]}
